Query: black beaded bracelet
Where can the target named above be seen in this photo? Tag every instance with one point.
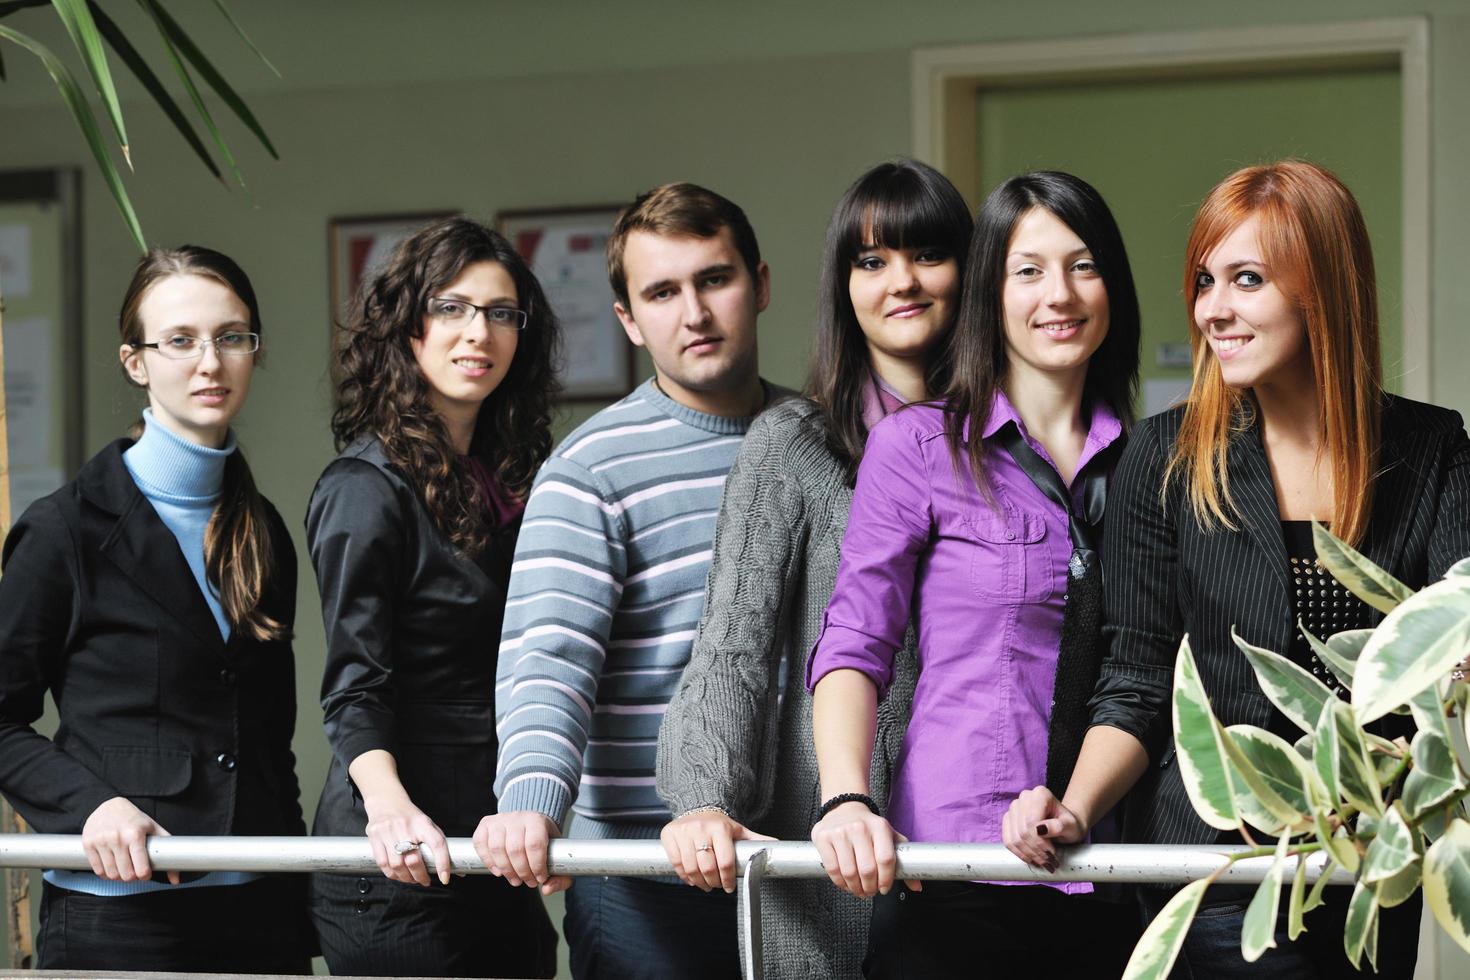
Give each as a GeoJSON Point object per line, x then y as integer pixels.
{"type": "Point", "coordinates": [842, 798]}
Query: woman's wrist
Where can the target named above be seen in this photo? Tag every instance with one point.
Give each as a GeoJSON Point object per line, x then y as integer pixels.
{"type": "Point", "coordinates": [841, 798]}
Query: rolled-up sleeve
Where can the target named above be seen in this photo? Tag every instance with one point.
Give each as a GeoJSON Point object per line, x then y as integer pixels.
{"type": "Point", "coordinates": [888, 527]}
{"type": "Point", "coordinates": [354, 529]}
{"type": "Point", "coordinates": [1141, 594]}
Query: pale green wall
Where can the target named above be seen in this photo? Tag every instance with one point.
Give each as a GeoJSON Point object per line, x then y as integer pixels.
{"type": "Point", "coordinates": [1183, 135]}
{"type": "Point", "coordinates": [776, 105]}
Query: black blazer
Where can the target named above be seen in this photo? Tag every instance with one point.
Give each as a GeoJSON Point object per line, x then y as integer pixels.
{"type": "Point", "coordinates": [98, 604]}
{"type": "Point", "coordinates": [413, 629]}
{"type": "Point", "coordinates": [1165, 576]}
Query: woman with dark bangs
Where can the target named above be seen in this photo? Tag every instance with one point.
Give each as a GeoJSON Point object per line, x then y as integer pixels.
{"type": "Point", "coordinates": [1209, 531]}
{"type": "Point", "coordinates": [154, 597]}
{"type": "Point", "coordinates": [444, 386]}
{"type": "Point", "coordinates": [735, 759]}
{"type": "Point", "coordinates": [979, 514]}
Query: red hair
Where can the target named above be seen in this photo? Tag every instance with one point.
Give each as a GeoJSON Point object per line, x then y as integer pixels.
{"type": "Point", "coordinates": [1313, 238]}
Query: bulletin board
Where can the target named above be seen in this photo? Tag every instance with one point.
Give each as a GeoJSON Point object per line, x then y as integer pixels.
{"type": "Point", "coordinates": [40, 285]}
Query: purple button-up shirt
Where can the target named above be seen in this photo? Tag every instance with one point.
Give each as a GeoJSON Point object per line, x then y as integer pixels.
{"type": "Point", "coordinates": [986, 587]}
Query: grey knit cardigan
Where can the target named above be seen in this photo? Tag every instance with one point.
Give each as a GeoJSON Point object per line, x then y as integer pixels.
{"type": "Point", "coordinates": [738, 734]}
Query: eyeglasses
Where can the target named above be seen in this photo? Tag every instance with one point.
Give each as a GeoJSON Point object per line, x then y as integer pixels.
{"type": "Point", "coordinates": [180, 346]}
{"type": "Point", "coordinates": [459, 313]}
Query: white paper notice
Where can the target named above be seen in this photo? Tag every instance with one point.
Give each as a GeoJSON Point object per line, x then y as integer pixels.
{"type": "Point", "coordinates": [15, 261]}
{"type": "Point", "coordinates": [571, 265]}
{"type": "Point", "coordinates": [28, 372]}
{"type": "Point", "coordinates": [1162, 393]}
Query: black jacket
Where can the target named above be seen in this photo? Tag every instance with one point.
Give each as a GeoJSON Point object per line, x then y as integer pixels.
{"type": "Point", "coordinates": [98, 605]}
{"type": "Point", "coordinates": [413, 629]}
{"type": "Point", "coordinates": [1166, 576]}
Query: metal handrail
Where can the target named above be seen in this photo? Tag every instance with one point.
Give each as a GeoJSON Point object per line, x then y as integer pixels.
{"type": "Point", "coordinates": [757, 861]}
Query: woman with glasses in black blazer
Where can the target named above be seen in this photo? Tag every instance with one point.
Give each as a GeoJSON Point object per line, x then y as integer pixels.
{"type": "Point", "coordinates": [153, 596]}
{"type": "Point", "coordinates": [443, 415]}
{"type": "Point", "coordinates": [1209, 529]}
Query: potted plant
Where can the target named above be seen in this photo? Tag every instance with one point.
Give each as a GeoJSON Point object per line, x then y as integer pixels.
{"type": "Point", "coordinates": [1391, 813]}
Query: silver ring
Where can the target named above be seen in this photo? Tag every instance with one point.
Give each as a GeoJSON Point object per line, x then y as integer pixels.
{"type": "Point", "coordinates": [704, 847]}
{"type": "Point", "coordinates": [404, 846]}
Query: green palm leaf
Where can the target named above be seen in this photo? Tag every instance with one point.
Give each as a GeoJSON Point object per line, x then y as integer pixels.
{"type": "Point", "coordinates": [71, 93]}
{"type": "Point", "coordinates": [157, 13]}
{"type": "Point", "coordinates": [139, 67]}
{"type": "Point", "coordinates": [224, 9]}
{"type": "Point", "coordinates": [177, 39]}
{"type": "Point", "coordinates": [78, 21]}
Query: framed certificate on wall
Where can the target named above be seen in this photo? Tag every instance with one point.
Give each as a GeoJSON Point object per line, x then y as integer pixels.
{"type": "Point", "coordinates": [566, 249]}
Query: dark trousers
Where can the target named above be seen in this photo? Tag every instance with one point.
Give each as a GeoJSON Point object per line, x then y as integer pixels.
{"type": "Point", "coordinates": [634, 929]}
{"type": "Point", "coordinates": [1212, 948]}
{"type": "Point", "coordinates": [257, 927]}
{"type": "Point", "coordinates": [476, 926]}
{"type": "Point", "coordinates": [964, 929]}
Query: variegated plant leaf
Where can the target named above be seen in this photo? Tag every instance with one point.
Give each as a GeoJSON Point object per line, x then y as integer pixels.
{"type": "Point", "coordinates": [1314, 897]}
{"type": "Point", "coordinates": [1414, 647]}
{"type": "Point", "coordinates": [1362, 922]}
{"type": "Point", "coordinates": [1295, 692]}
{"type": "Point", "coordinates": [1459, 569]}
{"type": "Point", "coordinates": [1395, 847]}
{"type": "Point", "coordinates": [1397, 889]}
{"type": "Point", "coordinates": [1427, 707]}
{"type": "Point", "coordinates": [1435, 776]}
{"type": "Point", "coordinates": [1200, 746]}
{"type": "Point", "coordinates": [1339, 652]}
{"type": "Point", "coordinates": [1356, 573]}
{"type": "Point", "coordinates": [1338, 843]}
{"type": "Point", "coordinates": [1357, 779]}
{"type": "Point", "coordinates": [1447, 882]}
{"type": "Point", "coordinates": [1326, 757]}
{"type": "Point", "coordinates": [1159, 945]}
{"type": "Point", "coordinates": [1270, 774]}
{"type": "Point", "coordinates": [1296, 901]}
{"type": "Point", "coordinates": [1258, 933]}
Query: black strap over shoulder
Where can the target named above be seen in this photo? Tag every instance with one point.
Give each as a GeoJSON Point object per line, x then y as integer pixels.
{"type": "Point", "coordinates": [1080, 650]}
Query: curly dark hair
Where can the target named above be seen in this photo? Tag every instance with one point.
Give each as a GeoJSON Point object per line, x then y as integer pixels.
{"type": "Point", "coordinates": [381, 391]}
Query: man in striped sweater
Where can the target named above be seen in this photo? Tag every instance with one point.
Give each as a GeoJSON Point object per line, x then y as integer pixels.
{"type": "Point", "coordinates": [608, 585]}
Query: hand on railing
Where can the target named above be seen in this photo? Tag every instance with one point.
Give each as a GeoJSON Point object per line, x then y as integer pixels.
{"type": "Point", "coordinates": [1035, 823]}
{"type": "Point", "coordinates": [514, 846]}
{"type": "Point", "coordinates": [115, 838]}
{"type": "Point", "coordinates": [856, 847]}
{"type": "Point", "coordinates": [393, 824]}
{"type": "Point", "coordinates": [701, 846]}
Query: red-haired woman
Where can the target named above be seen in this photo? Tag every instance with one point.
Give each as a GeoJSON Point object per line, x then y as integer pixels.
{"type": "Point", "coordinates": [153, 596]}
{"type": "Point", "coordinates": [1209, 529]}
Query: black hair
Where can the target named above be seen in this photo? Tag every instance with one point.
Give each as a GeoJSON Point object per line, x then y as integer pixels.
{"type": "Point", "coordinates": [899, 204]}
{"type": "Point", "coordinates": [979, 345]}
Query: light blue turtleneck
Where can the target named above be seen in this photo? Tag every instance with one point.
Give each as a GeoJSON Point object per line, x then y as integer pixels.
{"type": "Point", "coordinates": [182, 481]}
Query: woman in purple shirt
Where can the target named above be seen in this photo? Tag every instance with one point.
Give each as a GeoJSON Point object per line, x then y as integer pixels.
{"type": "Point", "coordinates": [988, 543]}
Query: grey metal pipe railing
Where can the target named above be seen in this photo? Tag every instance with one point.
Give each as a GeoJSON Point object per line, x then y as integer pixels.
{"type": "Point", "coordinates": [758, 861]}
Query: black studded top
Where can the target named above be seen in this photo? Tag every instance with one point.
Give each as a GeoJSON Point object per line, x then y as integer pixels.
{"type": "Point", "coordinates": [1319, 601]}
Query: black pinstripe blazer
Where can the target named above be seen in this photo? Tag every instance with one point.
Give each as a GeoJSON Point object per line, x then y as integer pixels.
{"type": "Point", "coordinates": [1165, 576]}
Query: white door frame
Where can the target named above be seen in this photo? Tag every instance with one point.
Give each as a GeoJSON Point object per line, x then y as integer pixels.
{"type": "Point", "coordinates": [945, 81]}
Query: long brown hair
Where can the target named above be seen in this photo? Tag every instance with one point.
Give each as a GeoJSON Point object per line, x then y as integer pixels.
{"type": "Point", "coordinates": [239, 557]}
{"type": "Point", "coordinates": [380, 390]}
{"type": "Point", "coordinates": [900, 204]}
{"type": "Point", "coordinates": [1313, 237]}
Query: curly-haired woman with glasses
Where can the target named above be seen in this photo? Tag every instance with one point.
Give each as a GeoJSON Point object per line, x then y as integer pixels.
{"type": "Point", "coordinates": [444, 386]}
{"type": "Point", "coordinates": [154, 597]}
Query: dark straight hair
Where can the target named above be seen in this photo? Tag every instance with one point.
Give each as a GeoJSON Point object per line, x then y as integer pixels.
{"type": "Point", "coordinates": [901, 204]}
{"type": "Point", "coordinates": [979, 345]}
{"type": "Point", "coordinates": [239, 557]}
